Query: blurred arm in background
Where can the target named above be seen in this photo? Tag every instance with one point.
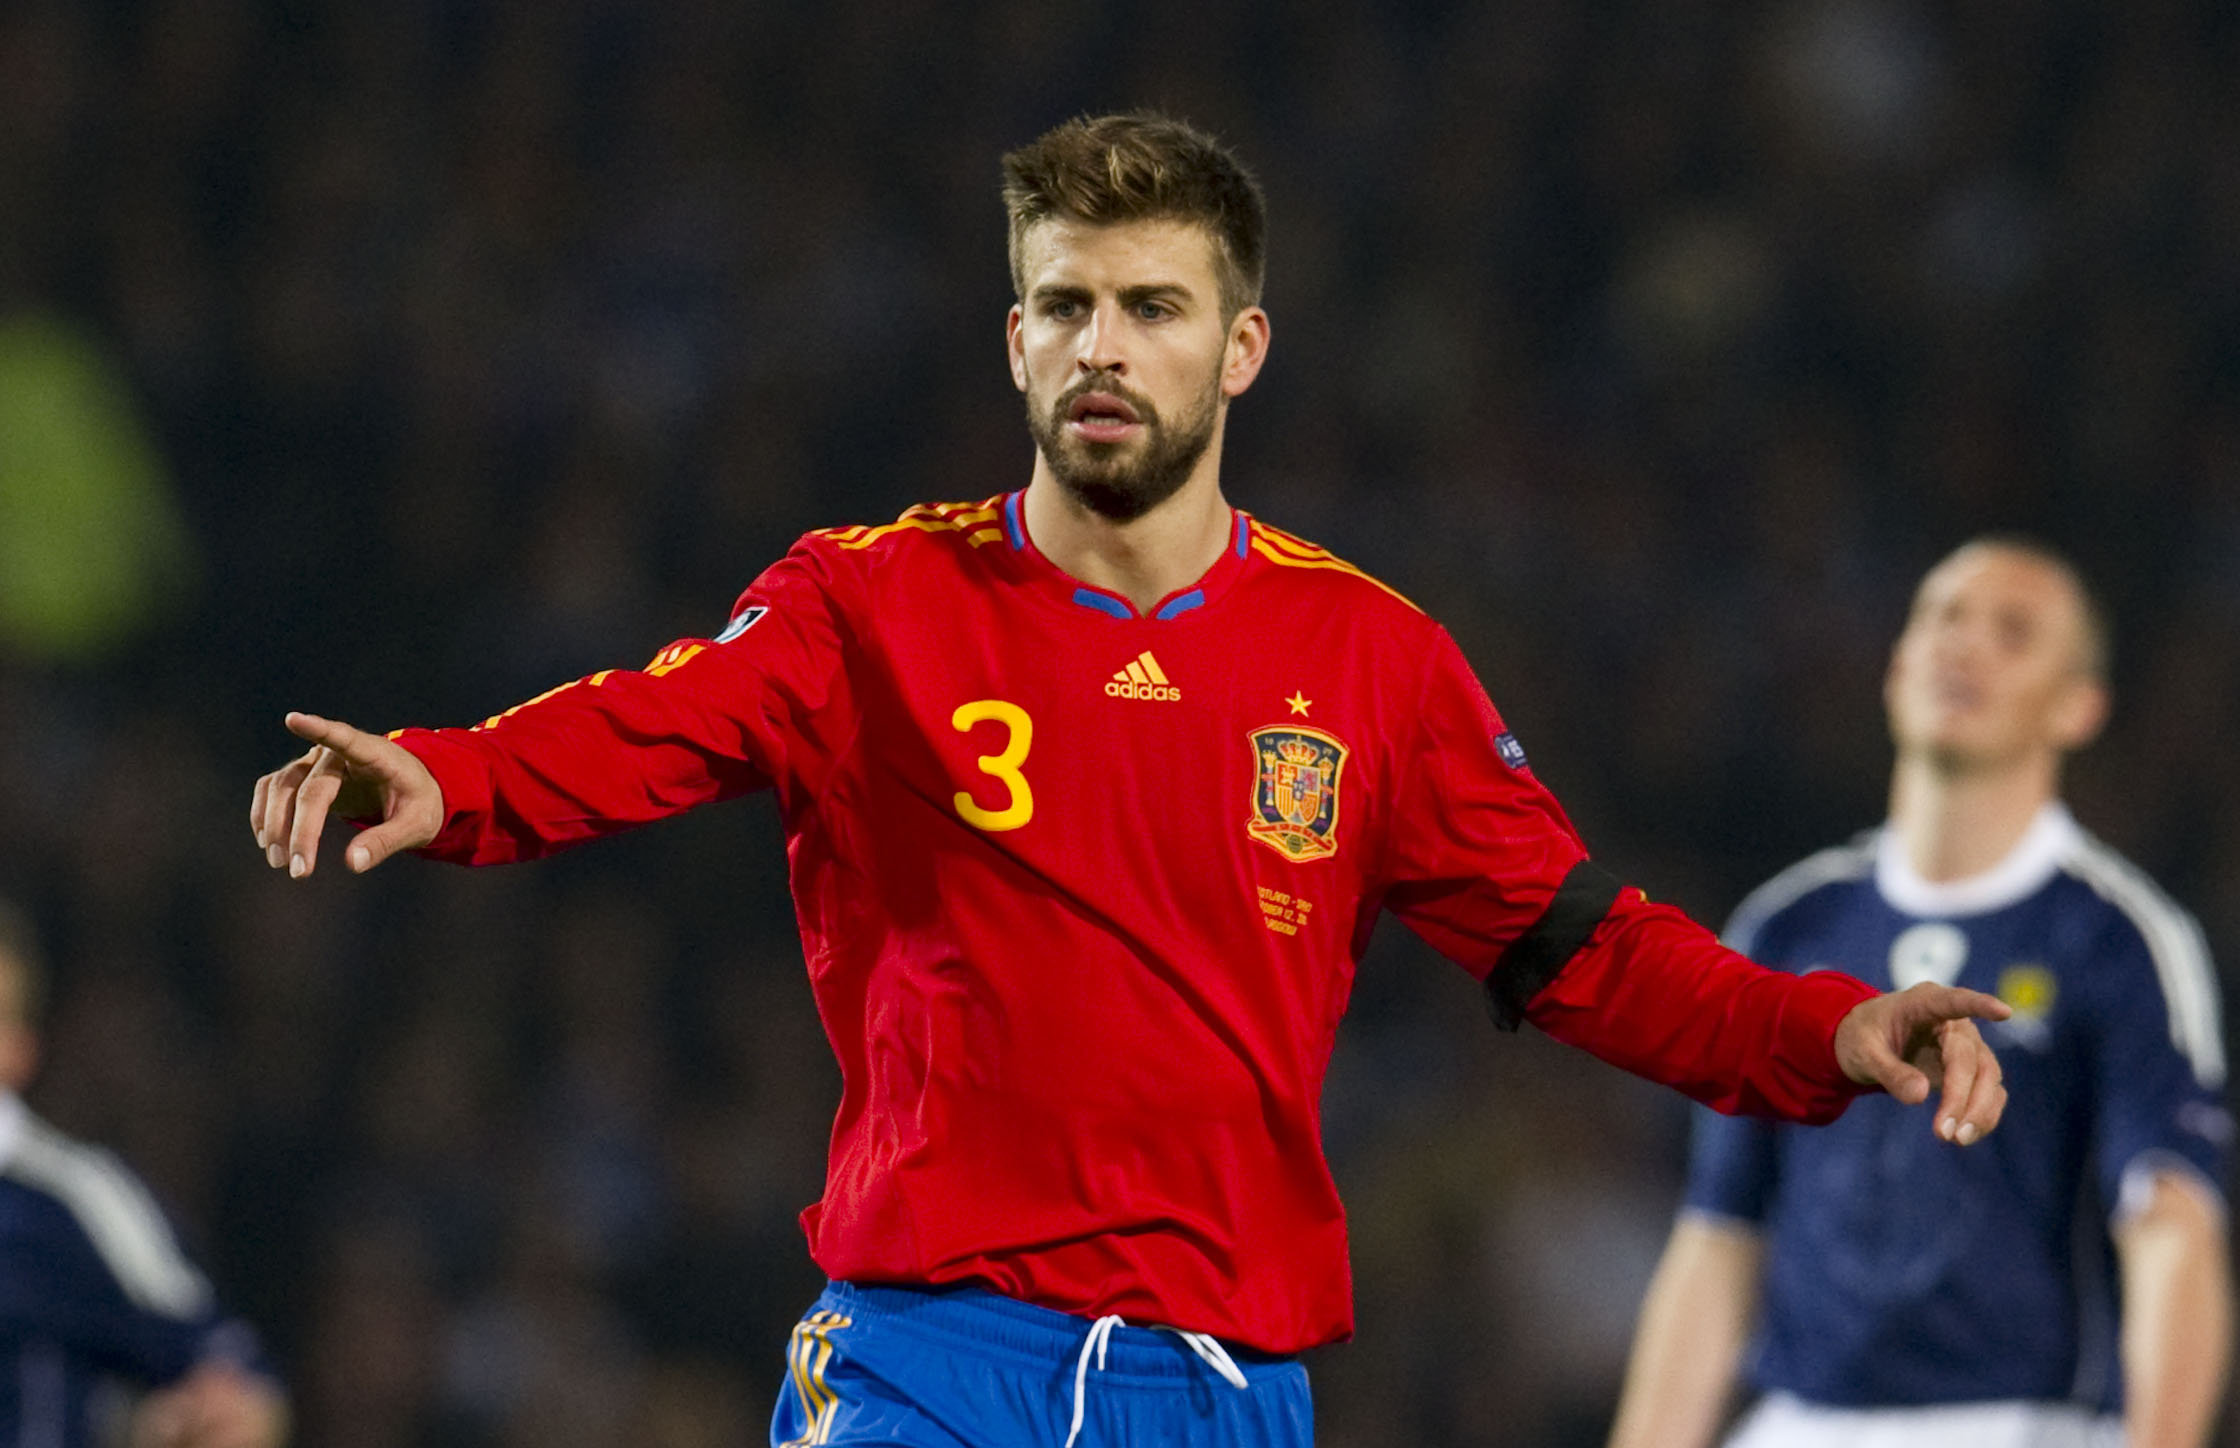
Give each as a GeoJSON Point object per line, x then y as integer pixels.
{"type": "Point", "coordinates": [1688, 1348]}
{"type": "Point", "coordinates": [2177, 1311]}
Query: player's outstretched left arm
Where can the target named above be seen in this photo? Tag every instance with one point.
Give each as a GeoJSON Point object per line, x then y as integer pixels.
{"type": "Point", "coordinates": [1924, 1038]}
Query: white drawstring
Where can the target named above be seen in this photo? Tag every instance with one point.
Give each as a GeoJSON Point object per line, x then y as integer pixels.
{"type": "Point", "coordinates": [1100, 1333]}
{"type": "Point", "coordinates": [1214, 1355]}
{"type": "Point", "coordinates": [1209, 1351]}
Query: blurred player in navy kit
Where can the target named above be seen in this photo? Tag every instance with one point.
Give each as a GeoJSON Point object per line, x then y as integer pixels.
{"type": "Point", "coordinates": [93, 1288]}
{"type": "Point", "coordinates": [2068, 1283]}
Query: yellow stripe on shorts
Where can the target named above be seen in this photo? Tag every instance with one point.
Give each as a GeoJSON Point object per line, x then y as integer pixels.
{"type": "Point", "coordinates": [808, 1355]}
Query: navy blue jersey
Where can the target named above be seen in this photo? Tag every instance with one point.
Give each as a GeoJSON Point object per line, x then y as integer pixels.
{"type": "Point", "coordinates": [1901, 1271]}
{"type": "Point", "coordinates": [93, 1287]}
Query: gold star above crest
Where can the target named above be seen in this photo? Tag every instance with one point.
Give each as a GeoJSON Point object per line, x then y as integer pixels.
{"type": "Point", "coordinates": [1298, 702]}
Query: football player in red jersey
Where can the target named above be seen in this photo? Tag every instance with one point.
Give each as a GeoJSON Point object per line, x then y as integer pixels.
{"type": "Point", "coordinates": [1085, 841]}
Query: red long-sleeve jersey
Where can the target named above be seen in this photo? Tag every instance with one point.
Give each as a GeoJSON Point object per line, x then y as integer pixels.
{"type": "Point", "coordinates": [1081, 894]}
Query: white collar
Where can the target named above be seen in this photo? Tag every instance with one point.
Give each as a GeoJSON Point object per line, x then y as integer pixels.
{"type": "Point", "coordinates": [2028, 866]}
{"type": "Point", "coordinates": [13, 1114]}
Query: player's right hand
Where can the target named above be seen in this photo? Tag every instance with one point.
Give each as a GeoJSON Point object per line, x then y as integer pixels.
{"type": "Point", "coordinates": [356, 775]}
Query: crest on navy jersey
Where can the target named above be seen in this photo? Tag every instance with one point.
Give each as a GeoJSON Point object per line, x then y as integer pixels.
{"type": "Point", "coordinates": [1931, 951]}
{"type": "Point", "coordinates": [1296, 773]}
{"type": "Point", "coordinates": [746, 620]}
{"type": "Point", "coordinates": [2032, 990]}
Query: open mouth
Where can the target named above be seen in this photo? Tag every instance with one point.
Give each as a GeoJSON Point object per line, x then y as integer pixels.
{"type": "Point", "coordinates": [1101, 416]}
{"type": "Point", "coordinates": [1956, 691]}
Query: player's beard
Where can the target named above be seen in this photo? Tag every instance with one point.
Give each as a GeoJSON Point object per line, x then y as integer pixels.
{"type": "Point", "coordinates": [1101, 475]}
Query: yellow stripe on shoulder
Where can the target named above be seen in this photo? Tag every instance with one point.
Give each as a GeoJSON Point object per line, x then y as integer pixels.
{"type": "Point", "coordinates": [1283, 549]}
{"type": "Point", "coordinates": [1291, 542]}
{"type": "Point", "coordinates": [965, 518]}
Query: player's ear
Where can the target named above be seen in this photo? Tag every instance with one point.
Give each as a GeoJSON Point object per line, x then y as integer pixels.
{"type": "Point", "coordinates": [1015, 346]}
{"type": "Point", "coordinates": [1890, 680]}
{"type": "Point", "coordinates": [1247, 350]}
{"type": "Point", "coordinates": [2079, 711]}
{"type": "Point", "coordinates": [19, 1055]}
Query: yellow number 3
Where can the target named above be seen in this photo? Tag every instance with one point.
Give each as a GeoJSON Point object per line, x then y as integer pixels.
{"type": "Point", "coordinates": [1004, 766]}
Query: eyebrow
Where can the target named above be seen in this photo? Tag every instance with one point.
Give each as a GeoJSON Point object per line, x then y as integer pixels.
{"type": "Point", "coordinates": [1129, 296]}
{"type": "Point", "coordinates": [1155, 292]}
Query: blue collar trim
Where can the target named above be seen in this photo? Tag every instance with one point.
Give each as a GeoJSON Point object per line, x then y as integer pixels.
{"type": "Point", "coordinates": [1103, 603]}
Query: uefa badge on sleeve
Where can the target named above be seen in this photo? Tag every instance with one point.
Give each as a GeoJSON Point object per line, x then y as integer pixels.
{"type": "Point", "coordinates": [746, 619]}
{"type": "Point", "coordinates": [1296, 772]}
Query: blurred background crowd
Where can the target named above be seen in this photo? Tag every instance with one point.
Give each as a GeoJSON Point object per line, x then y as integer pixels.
{"type": "Point", "coordinates": [399, 361]}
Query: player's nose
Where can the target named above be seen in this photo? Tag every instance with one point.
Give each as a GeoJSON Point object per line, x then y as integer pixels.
{"type": "Point", "coordinates": [1101, 349]}
{"type": "Point", "coordinates": [1963, 644]}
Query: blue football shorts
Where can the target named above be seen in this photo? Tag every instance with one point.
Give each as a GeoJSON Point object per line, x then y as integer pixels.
{"type": "Point", "coordinates": [968, 1368]}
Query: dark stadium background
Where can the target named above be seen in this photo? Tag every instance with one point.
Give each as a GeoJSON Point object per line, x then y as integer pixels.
{"type": "Point", "coordinates": [398, 361]}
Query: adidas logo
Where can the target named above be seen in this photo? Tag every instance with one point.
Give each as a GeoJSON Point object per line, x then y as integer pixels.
{"type": "Point", "coordinates": [1142, 679]}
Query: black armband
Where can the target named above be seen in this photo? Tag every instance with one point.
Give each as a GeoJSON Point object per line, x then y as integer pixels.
{"type": "Point", "coordinates": [1540, 954]}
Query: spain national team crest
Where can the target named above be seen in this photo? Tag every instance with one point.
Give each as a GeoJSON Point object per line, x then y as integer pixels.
{"type": "Point", "coordinates": [1295, 791]}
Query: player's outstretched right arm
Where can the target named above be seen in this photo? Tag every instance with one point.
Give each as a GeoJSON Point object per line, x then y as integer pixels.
{"type": "Point", "coordinates": [350, 773]}
{"type": "Point", "coordinates": [1689, 1343]}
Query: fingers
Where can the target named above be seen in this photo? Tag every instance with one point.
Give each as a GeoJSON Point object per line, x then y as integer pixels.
{"type": "Point", "coordinates": [373, 846]}
{"type": "Point", "coordinates": [314, 801]}
{"type": "Point", "coordinates": [288, 809]}
{"type": "Point", "coordinates": [347, 772]}
{"type": "Point", "coordinates": [272, 807]}
{"type": "Point", "coordinates": [1974, 1092]}
{"type": "Point", "coordinates": [354, 745]}
{"type": "Point", "coordinates": [257, 800]}
{"type": "Point", "coordinates": [1958, 1050]}
{"type": "Point", "coordinates": [1900, 1042]}
{"type": "Point", "coordinates": [415, 817]}
{"type": "Point", "coordinates": [332, 733]}
{"type": "Point", "coordinates": [1905, 1082]}
{"type": "Point", "coordinates": [1952, 1003]}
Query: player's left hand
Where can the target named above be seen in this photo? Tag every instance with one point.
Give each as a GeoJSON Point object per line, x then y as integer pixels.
{"type": "Point", "coordinates": [1925, 1037]}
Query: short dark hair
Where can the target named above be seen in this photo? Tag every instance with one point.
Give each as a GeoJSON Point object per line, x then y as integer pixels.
{"type": "Point", "coordinates": [2096, 647]}
{"type": "Point", "coordinates": [19, 951]}
{"type": "Point", "coordinates": [1141, 166]}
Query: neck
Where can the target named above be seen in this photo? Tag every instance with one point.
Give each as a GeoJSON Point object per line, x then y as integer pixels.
{"type": "Point", "coordinates": [1145, 559]}
{"type": "Point", "coordinates": [1956, 822]}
